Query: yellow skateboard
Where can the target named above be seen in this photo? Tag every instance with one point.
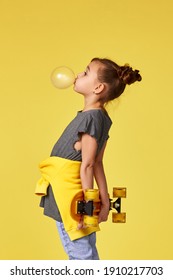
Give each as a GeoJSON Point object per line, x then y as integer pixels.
{"type": "Point", "coordinates": [88, 205]}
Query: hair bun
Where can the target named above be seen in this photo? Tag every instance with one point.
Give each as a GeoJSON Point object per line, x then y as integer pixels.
{"type": "Point", "coordinates": [128, 75]}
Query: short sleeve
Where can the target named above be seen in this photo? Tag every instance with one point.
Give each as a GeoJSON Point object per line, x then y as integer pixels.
{"type": "Point", "coordinates": [92, 126]}
{"type": "Point", "coordinates": [94, 122]}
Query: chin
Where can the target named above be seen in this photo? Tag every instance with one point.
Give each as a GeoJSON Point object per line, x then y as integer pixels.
{"type": "Point", "coordinates": [76, 90]}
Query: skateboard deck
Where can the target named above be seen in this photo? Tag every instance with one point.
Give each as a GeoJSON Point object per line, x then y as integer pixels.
{"type": "Point", "coordinates": [88, 205]}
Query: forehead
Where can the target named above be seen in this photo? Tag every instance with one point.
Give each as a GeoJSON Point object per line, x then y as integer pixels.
{"type": "Point", "coordinates": [94, 66]}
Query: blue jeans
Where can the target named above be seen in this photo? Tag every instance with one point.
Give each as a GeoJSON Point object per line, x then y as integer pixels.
{"type": "Point", "coordinates": [80, 249]}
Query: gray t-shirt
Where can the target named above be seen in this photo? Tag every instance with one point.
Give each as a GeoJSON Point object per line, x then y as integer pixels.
{"type": "Point", "coordinates": [94, 122]}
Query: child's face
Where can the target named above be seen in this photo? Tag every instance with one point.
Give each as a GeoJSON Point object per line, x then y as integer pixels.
{"type": "Point", "coordinates": [87, 81]}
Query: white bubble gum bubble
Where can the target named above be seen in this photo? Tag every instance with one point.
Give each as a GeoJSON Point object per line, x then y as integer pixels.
{"type": "Point", "coordinates": [62, 77]}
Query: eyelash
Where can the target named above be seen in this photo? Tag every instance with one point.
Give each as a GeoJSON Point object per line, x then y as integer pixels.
{"type": "Point", "coordinates": [85, 72]}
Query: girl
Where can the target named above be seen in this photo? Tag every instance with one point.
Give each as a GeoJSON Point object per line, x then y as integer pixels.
{"type": "Point", "coordinates": [76, 159]}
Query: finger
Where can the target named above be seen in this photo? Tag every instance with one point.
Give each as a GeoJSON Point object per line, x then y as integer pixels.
{"type": "Point", "coordinates": [80, 225]}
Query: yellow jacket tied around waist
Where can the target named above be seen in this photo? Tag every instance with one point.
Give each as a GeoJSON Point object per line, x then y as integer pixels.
{"type": "Point", "coordinates": [64, 177]}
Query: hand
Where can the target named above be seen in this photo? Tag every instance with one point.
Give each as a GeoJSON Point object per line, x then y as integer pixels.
{"type": "Point", "coordinates": [81, 224]}
{"type": "Point", "coordinates": [104, 212]}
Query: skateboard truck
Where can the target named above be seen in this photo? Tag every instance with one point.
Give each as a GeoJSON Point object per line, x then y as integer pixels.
{"type": "Point", "coordinates": [115, 204]}
{"type": "Point", "coordinates": [85, 207]}
{"type": "Point", "coordinates": [119, 217]}
{"type": "Point", "coordinates": [90, 206]}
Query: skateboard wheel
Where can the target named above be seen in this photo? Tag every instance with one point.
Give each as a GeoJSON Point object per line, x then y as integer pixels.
{"type": "Point", "coordinates": [91, 194]}
{"type": "Point", "coordinates": [119, 192]}
{"type": "Point", "coordinates": [91, 221]}
{"type": "Point", "coordinates": [118, 217]}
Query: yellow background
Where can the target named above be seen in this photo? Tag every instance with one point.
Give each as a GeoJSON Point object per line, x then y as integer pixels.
{"type": "Point", "coordinates": [39, 35]}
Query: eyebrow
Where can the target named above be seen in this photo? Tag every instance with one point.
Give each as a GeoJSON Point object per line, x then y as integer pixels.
{"type": "Point", "coordinates": [88, 68]}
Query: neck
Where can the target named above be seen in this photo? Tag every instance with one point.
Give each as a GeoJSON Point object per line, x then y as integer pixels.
{"type": "Point", "coordinates": [92, 105]}
{"type": "Point", "coordinates": [87, 108]}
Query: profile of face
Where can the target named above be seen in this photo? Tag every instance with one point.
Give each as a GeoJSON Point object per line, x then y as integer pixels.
{"type": "Point", "coordinates": [87, 81]}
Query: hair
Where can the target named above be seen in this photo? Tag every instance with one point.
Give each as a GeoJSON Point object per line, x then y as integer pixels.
{"type": "Point", "coordinates": [116, 77]}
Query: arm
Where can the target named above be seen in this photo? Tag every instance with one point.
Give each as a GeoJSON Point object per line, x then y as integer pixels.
{"type": "Point", "coordinates": [102, 184]}
{"type": "Point", "coordinates": [89, 150]}
{"type": "Point", "coordinates": [91, 167]}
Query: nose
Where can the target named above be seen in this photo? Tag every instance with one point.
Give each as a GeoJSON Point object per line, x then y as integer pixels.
{"type": "Point", "coordinates": [80, 75]}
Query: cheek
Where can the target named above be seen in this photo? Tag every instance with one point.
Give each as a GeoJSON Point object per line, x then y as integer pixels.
{"type": "Point", "coordinates": [78, 85]}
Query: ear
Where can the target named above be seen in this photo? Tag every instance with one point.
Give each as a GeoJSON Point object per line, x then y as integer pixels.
{"type": "Point", "coordinates": [99, 88]}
